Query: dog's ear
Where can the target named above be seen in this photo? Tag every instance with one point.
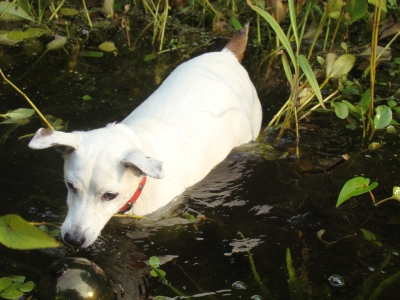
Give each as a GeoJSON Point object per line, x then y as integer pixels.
{"type": "Point", "coordinates": [45, 138]}
{"type": "Point", "coordinates": [149, 166]}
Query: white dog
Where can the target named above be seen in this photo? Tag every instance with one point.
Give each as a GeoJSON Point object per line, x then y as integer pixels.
{"type": "Point", "coordinates": [206, 107]}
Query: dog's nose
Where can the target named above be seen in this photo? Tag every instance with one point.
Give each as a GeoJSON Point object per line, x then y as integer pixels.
{"type": "Point", "coordinates": [74, 240]}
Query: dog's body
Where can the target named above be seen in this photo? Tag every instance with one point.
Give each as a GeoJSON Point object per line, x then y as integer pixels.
{"type": "Point", "coordinates": [206, 107]}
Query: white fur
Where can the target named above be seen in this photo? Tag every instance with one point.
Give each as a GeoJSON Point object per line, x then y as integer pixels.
{"type": "Point", "coordinates": [206, 107]}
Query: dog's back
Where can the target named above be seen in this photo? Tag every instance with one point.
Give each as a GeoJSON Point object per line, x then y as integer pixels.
{"type": "Point", "coordinates": [206, 107]}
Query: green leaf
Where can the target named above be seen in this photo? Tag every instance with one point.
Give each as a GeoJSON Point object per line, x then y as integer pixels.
{"type": "Point", "coordinates": [391, 103]}
{"type": "Point", "coordinates": [20, 113]}
{"type": "Point", "coordinates": [383, 117]}
{"type": "Point", "coordinates": [57, 43]}
{"type": "Point", "coordinates": [108, 47]}
{"type": "Point", "coordinates": [149, 57]}
{"type": "Point", "coordinates": [396, 193]}
{"type": "Point", "coordinates": [357, 9]}
{"type": "Point", "coordinates": [11, 294]}
{"type": "Point", "coordinates": [334, 6]}
{"type": "Point", "coordinates": [68, 11]}
{"type": "Point", "coordinates": [5, 282]}
{"type": "Point", "coordinates": [305, 66]}
{"type": "Point", "coordinates": [16, 233]}
{"type": "Point", "coordinates": [154, 274]}
{"type": "Point", "coordinates": [355, 187]}
{"type": "Point", "coordinates": [341, 110]}
{"type": "Point", "coordinates": [236, 24]}
{"type": "Point", "coordinates": [87, 97]}
{"type": "Point", "coordinates": [18, 279]}
{"type": "Point", "coordinates": [337, 67]}
{"type": "Point", "coordinates": [33, 32]}
{"type": "Point", "coordinates": [366, 98]}
{"type": "Point", "coordinates": [293, 17]}
{"type": "Point", "coordinates": [91, 54]}
{"type": "Point", "coordinates": [369, 236]}
{"type": "Point", "coordinates": [391, 129]}
{"type": "Point", "coordinates": [26, 287]}
{"type": "Point", "coordinates": [349, 106]}
{"type": "Point", "coordinates": [278, 30]}
{"type": "Point", "coordinates": [55, 233]}
{"type": "Point", "coordinates": [154, 262]}
{"type": "Point", "coordinates": [16, 35]}
{"type": "Point", "coordinates": [15, 13]}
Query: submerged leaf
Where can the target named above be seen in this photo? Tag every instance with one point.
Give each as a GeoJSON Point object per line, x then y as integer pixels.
{"type": "Point", "coordinates": [108, 47]}
{"type": "Point", "coordinates": [20, 113]}
{"type": "Point", "coordinates": [57, 43]}
{"type": "Point", "coordinates": [369, 236]}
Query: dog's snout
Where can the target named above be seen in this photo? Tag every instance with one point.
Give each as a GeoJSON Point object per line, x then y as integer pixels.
{"type": "Point", "coordinates": [74, 240]}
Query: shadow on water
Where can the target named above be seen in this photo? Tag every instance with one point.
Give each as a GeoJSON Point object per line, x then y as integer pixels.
{"type": "Point", "coordinates": [275, 204]}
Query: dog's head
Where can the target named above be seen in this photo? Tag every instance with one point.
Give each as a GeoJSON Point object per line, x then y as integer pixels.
{"type": "Point", "coordinates": [102, 171]}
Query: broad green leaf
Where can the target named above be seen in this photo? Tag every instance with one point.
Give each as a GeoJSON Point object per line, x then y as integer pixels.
{"type": "Point", "coordinates": [354, 187]}
{"type": "Point", "coordinates": [236, 24]}
{"type": "Point", "coordinates": [87, 97]}
{"type": "Point", "coordinates": [349, 106]}
{"type": "Point", "coordinates": [149, 57]}
{"type": "Point", "coordinates": [374, 146]}
{"type": "Point", "coordinates": [391, 103]}
{"type": "Point", "coordinates": [11, 294]}
{"type": "Point", "coordinates": [18, 279]}
{"type": "Point", "coordinates": [357, 9]}
{"type": "Point", "coordinates": [108, 47]}
{"type": "Point", "coordinates": [34, 32]}
{"type": "Point", "coordinates": [340, 66]}
{"type": "Point", "coordinates": [57, 43]}
{"type": "Point", "coordinates": [305, 66]}
{"type": "Point", "coordinates": [366, 98]}
{"type": "Point", "coordinates": [5, 282]}
{"type": "Point", "coordinates": [16, 233]}
{"type": "Point", "coordinates": [91, 54]}
{"type": "Point", "coordinates": [383, 117]}
{"type": "Point", "coordinates": [68, 11]}
{"type": "Point", "coordinates": [16, 35]}
{"type": "Point", "coordinates": [15, 13]}
{"type": "Point", "coordinates": [20, 113]}
{"type": "Point", "coordinates": [154, 262]}
{"type": "Point", "coordinates": [26, 287]}
{"type": "Point", "coordinates": [278, 30]}
{"type": "Point", "coordinates": [369, 236]}
{"type": "Point", "coordinates": [391, 129]}
{"type": "Point", "coordinates": [154, 274]}
{"type": "Point", "coordinates": [4, 40]}
{"type": "Point", "coordinates": [334, 6]}
{"type": "Point", "coordinates": [396, 193]}
{"type": "Point", "coordinates": [341, 110]}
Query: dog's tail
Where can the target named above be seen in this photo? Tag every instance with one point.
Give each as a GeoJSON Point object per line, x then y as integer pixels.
{"type": "Point", "coordinates": [237, 44]}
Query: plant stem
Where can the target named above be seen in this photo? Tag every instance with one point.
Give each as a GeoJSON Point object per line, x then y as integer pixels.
{"type": "Point", "coordinates": [56, 11]}
{"type": "Point", "coordinates": [27, 99]}
{"type": "Point", "coordinates": [86, 13]}
{"type": "Point", "coordinates": [45, 224]}
{"type": "Point", "coordinates": [383, 201]}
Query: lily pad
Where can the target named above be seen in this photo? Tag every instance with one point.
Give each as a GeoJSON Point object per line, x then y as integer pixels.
{"type": "Point", "coordinates": [107, 47]}
{"type": "Point", "coordinates": [5, 282]}
{"type": "Point", "coordinates": [11, 294]}
{"type": "Point", "coordinates": [26, 287]}
{"type": "Point", "coordinates": [57, 43]}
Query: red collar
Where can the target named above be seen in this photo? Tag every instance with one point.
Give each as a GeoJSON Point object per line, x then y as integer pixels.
{"type": "Point", "coordinates": [135, 196]}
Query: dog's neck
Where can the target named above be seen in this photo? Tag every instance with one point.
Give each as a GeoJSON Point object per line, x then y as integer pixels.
{"type": "Point", "coordinates": [128, 205]}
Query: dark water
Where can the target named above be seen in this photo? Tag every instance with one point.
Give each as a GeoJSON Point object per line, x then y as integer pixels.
{"type": "Point", "coordinates": [276, 205]}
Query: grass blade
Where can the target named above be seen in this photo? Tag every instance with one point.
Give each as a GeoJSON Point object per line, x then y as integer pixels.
{"type": "Point", "coordinates": [305, 66]}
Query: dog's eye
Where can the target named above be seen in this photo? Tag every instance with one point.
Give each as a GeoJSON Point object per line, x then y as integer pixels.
{"type": "Point", "coordinates": [109, 196]}
{"type": "Point", "coordinates": [71, 187]}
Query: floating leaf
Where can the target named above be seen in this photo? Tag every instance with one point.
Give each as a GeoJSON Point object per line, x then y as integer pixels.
{"type": "Point", "coordinates": [341, 110]}
{"type": "Point", "coordinates": [26, 287]}
{"type": "Point", "coordinates": [91, 54]}
{"type": "Point", "coordinates": [5, 282]}
{"type": "Point", "coordinates": [16, 35]}
{"type": "Point", "coordinates": [18, 279]}
{"type": "Point", "coordinates": [154, 262]}
{"type": "Point", "coordinates": [68, 11]}
{"type": "Point", "coordinates": [369, 236]}
{"type": "Point", "coordinates": [391, 129]}
{"type": "Point", "coordinates": [87, 98]}
{"type": "Point", "coordinates": [4, 40]}
{"type": "Point", "coordinates": [11, 294]}
{"type": "Point", "coordinates": [383, 117]}
{"type": "Point", "coordinates": [355, 187]}
{"type": "Point", "coordinates": [57, 43]}
{"type": "Point", "coordinates": [16, 233]}
{"type": "Point", "coordinates": [20, 113]}
{"type": "Point", "coordinates": [108, 47]}
{"type": "Point", "coordinates": [34, 32]}
{"type": "Point", "coordinates": [374, 146]}
{"type": "Point", "coordinates": [396, 193]}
